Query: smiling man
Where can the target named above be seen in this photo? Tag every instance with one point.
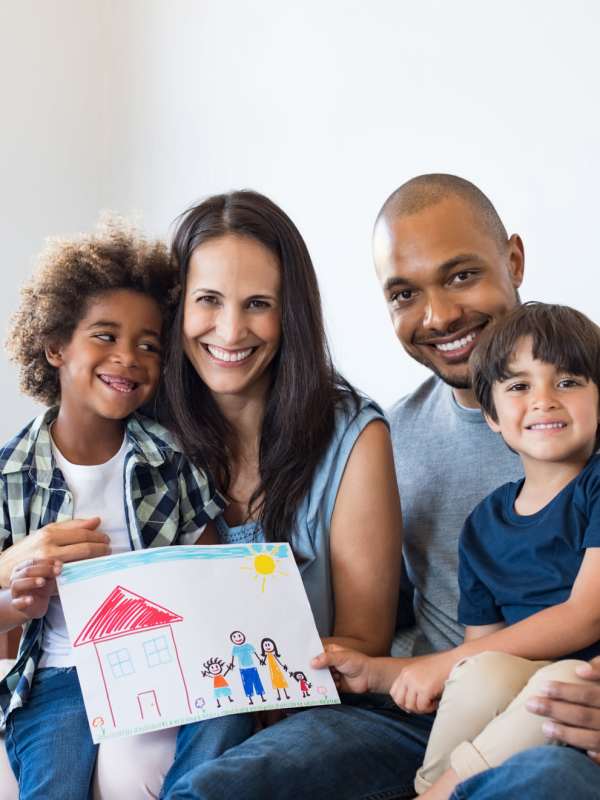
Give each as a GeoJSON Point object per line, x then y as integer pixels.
{"type": "Point", "coordinates": [448, 269]}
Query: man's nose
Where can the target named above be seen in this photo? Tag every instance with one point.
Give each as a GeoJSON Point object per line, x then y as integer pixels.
{"type": "Point", "coordinates": [440, 313]}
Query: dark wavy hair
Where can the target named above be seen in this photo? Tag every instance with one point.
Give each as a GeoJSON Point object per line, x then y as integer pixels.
{"type": "Point", "coordinates": [305, 388]}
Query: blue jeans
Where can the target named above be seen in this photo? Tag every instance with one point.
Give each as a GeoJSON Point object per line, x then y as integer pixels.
{"type": "Point", "coordinates": [203, 741]}
{"type": "Point", "coordinates": [543, 773]}
{"type": "Point", "coordinates": [48, 740]}
{"type": "Point", "coordinates": [364, 750]}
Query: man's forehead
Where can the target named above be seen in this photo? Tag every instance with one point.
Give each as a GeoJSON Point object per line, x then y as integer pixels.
{"type": "Point", "coordinates": [430, 238]}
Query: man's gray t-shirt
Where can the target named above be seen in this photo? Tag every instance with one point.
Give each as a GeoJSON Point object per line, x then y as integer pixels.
{"type": "Point", "coordinates": [447, 460]}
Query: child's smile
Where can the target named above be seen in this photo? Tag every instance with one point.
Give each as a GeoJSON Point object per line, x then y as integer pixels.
{"type": "Point", "coordinates": [111, 365]}
{"type": "Point", "coordinates": [545, 413]}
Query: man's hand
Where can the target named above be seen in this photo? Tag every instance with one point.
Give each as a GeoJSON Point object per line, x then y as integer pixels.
{"type": "Point", "coordinates": [573, 710]}
{"type": "Point", "coordinates": [352, 668]}
{"type": "Point", "coordinates": [73, 540]}
{"type": "Point", "coordinates": [421, 683]}
{"type": "Point", "coordinates": [32, 584]}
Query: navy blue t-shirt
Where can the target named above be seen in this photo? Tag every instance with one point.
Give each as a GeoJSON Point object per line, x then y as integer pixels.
{"type": "Point", "coordinates": [512, 566]}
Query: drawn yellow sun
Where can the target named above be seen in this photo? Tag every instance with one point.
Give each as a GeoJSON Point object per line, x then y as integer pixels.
{"type": "Point", "coordinates": [264, 566]}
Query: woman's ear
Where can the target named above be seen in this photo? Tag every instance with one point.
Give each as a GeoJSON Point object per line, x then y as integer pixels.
{"type": "Point", "coordinates": [53, 355]}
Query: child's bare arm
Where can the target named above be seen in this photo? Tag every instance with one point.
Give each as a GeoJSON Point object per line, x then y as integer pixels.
{"type": "Point", "coordinates": [473, 632]}
{"type": "Point", "coordinates": [549, 634]}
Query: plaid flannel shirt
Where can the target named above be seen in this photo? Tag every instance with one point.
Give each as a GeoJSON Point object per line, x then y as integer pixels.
{"type": "Point", "coordinates": [167, 501]}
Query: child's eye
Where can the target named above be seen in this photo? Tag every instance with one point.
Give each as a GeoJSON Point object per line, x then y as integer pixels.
{"type": "Point", "coordinates": [105, 337]}
{"type": "Point", "coordinates": [150, 347]}
{"type": "Point", "coordinates": [517, 387]}
{"type": "Point", "coordinates": [567, 383]}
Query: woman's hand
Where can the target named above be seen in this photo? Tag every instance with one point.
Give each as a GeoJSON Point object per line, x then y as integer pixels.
{"type": "Point", "coordinates": [573, 710]}
{"type": "Point", "coordinates": [73, 540]}
{"type": "Point", "coordinates": [32, 584]}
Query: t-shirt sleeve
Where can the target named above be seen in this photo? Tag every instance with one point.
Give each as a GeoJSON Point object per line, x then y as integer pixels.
{"type": "Point", "coordinates": [590, 488]}
{"type": "Point", "coordinates": [199, 502]}
{"type": "Point", "coordinates": [476, 605]}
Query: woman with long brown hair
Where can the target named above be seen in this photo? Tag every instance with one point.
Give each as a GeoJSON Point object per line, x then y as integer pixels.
{"type": "Point", "coordinates": [301, 457]}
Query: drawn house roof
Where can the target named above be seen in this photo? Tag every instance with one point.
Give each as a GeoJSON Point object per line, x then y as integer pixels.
{"type": "Point", "coordinates": [124, 612]}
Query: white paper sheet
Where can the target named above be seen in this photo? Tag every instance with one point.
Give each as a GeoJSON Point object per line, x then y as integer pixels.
{"type": "Point", "coordinates": [172, 635]}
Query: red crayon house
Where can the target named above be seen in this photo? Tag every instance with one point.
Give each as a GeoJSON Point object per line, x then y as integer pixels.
{"type": "Point", "coordinates": [138, 658]}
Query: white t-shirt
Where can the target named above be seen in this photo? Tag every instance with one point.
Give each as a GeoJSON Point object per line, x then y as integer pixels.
{"type": "Point", "coordinates": [97, 491]}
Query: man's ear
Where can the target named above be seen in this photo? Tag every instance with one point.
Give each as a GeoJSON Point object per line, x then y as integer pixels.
{"type": "Point", "coordinates": [54, 355]}
{"type": "Point", "coordinates": [516, 260]}
{"type": "Point", "coordinates": [493, 425]}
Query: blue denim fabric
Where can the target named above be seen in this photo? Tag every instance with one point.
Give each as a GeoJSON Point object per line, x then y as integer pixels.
{"type": "Point", "coordinates": [203, 741]}
{"type": "Point", "coordinates": [542, 773]}
{"type": "Point", "coordinates": [48, 740]}
{"type": "Point", "coordinates": [346, 752]}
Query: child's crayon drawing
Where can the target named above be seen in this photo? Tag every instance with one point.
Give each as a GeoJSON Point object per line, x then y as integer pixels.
{"type": "Point", "coordinates": [173, 635]}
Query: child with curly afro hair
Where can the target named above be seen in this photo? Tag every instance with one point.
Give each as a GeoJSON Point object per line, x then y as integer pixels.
{"type": "Point", "coordinates": [88, 477]}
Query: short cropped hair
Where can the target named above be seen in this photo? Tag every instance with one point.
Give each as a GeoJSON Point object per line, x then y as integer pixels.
{"type": "Point", "coordinates": [70, 273]}
{"type": "Point", "coordinates": [424, 191]}
{"type": "Point", "coordinates": [560, 336]}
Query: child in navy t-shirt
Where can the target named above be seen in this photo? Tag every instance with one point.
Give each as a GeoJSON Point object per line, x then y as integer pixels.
{"type": "Point", "coordinates": [529, 555]}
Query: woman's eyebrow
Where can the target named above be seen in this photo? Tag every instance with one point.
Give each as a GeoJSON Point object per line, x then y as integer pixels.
{"type": "Point", "coordinates": [204, 289]}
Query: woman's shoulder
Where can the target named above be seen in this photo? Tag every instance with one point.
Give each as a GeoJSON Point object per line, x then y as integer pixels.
{"type": "Point", "coordinates": [356, 410]}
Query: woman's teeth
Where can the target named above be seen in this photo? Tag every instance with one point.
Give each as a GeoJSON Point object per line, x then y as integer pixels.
{"type": "Point", "coordinates": [457, 344]}
{"type": "Point", "coordinates": [228, 355]}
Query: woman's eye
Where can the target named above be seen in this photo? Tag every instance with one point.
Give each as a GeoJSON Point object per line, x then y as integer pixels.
{"type": "Point", "coordinates": [258, 304]}
{"type": "Point", "coordinates": [206, 299]}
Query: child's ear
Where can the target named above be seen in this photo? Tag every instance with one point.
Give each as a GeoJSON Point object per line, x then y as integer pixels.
{"type": "Point", "coordinates": [492, 423]}
{"type": "Point", "coordinates": [54, 355]}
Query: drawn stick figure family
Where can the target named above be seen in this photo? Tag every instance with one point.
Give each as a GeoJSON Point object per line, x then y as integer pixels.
{"type": "Point", "coordinates": [252, 685]}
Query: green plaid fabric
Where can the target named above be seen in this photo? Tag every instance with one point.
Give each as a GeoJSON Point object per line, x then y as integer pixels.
{"type": "Point", "coordinates": [167, 501]}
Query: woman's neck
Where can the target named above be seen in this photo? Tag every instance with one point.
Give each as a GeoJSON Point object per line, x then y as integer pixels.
{"type": "Point", "coordinates": [245, 415]}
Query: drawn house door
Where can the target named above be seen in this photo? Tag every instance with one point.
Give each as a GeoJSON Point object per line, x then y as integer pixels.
{"type": "Point", "coordinates": [148, 704]}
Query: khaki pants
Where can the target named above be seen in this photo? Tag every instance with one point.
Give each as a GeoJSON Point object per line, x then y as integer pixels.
{"type": "Point", "coordinates": [482, 719]}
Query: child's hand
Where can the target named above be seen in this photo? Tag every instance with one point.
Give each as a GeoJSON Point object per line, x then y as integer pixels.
{"type": "Point", "coordinates": [72, 540]}
{"type": "Point", "coordinates": [350, 665]}
{"type": "Point", "coordinates": [420, 684]}
{"type": "Point", "coordinates": [32, 584]}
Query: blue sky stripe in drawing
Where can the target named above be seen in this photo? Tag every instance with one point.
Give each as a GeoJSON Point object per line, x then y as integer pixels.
{"type": "Point", "coordinates": [84, 570]}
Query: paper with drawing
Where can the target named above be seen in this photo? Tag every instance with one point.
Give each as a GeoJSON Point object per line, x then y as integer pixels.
{"type": "Point", "coordinates": [172, 635]}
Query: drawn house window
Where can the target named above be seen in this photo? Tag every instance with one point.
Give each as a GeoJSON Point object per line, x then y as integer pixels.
{"type": "Point", "coordinates": [157, 651]}
{"type": "Point", "coordinates": [120, 662]}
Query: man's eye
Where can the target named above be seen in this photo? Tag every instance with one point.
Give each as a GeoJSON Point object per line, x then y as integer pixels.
{"type": "Point", "coordinates": [461, 277]}
{"type": "Point", "coordinates": [403, 296]}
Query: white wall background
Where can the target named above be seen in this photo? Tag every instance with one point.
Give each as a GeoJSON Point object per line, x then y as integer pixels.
{"type": "Point", "coordinates": [144, 106]}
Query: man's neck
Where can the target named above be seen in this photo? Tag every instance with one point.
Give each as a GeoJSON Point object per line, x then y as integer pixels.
{"type": "Point", "coordinates": [465, 398]}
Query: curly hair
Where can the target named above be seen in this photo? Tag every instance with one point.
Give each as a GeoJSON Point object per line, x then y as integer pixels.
{"type": "Point", "coordinates": [70, 273]}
